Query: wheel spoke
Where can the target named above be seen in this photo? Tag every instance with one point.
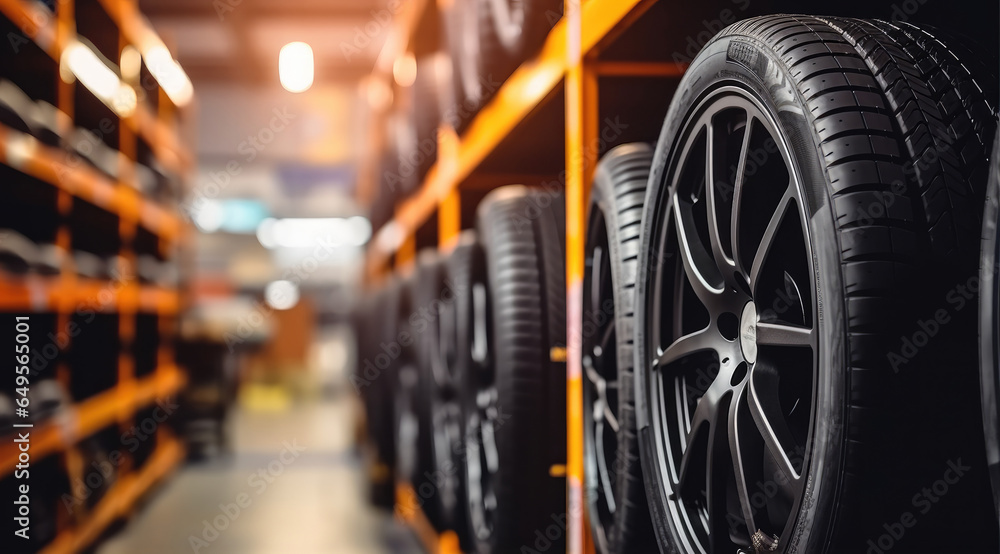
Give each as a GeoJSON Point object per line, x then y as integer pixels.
{"type": "Point", "coordinates": [715, 475]}
{"type": "Point", "coordinates": [768, 240]}
{"type": "Point", "coordinates": [702, 288]}
{"type": "Point", "coordinates": [776, 334]}
{"type": "Point", "coordinates": [609, 332]}
{"type": "Point", "coordinates": [741, 165]}
{"type": "Point", "coordinates": [764, 408]}
{"type": "Point", "coordinates": [609, 416]}
{"type": "Point", "coordinates": [714, 232]}
{"type": "Point", "coordinates": [687, 345]}
{"type": "Point", "coordinates": [743, 449]}
{"type": "Point", "coordinates": [602, 467]}
{"type": "Point", "coordinates": [704, 421]}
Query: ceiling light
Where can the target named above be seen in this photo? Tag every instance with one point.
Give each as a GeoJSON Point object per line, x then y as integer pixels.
{"type": "Point", "coordinates": [281, 295]}
{"type": "Point", "coordinates": [169, 74]}
{"type": "Point", "coordinates": [209, 216]}
{"type": "Point", "coordinates": [404, 70]}
{"type": "Point", "coordinates": [295, 66]}
{"type": "Point", "coordinates": [98, 78]}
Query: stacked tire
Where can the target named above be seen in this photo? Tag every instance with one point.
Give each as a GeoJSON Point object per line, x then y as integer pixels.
{"type": "Point", "coordinates": [468, 406]}
{"type": "Point", "coordinates": [778, 352]}
{"type": "Point", "coordinates": [486, 41]}
{"type": "Point", "coordinates": [790, 297]}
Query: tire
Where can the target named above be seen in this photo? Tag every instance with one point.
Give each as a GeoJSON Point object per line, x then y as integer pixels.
{"type": "Point", "coordinates": [417, 131]}
{"type": "Point", "coordinates": [616, 500]}
{"type": "Point", "coordinates": [383, 204]}
{"type": "Point", "coordinates": [435, 482]}
{"type": "Point", "coordinates": [467, 53]}
{"type": "Point", "coordinates": [405, 395]}
{"type": "Point", "coordinates": [989, 325]}
{"type": "Point", "coordinates": [463, 354]}
{"type": "Point", "coordinates": [488, 40]}
{"type": "Point", "coordinates": [874, 235]}
{"type": "Point", "coordinates": [522, 236]}
{"type": "Point", "coordinates": [520, 26]}
{"type": "Point", "coordinates": [377, 389]}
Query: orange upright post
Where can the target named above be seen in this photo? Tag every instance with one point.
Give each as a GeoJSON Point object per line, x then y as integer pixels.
{"type": "Point", "coordinates": [581, 154]}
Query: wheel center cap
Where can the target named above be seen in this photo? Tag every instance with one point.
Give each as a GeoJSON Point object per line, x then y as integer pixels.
{"type": "Point", "coordinates": [748, 332]}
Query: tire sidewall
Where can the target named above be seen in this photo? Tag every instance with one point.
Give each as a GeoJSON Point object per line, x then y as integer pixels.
{"type": "Point", "coordinates": [761, 73]}
{"type": "Point", "coordinates": [601, 211]}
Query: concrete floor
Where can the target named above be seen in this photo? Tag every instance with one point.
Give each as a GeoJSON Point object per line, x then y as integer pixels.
{"type": "Point", "coordinates": [310, 498]}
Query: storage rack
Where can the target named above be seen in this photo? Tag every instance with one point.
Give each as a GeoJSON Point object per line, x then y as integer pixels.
{"type": "Point", "coordinates": [154, 123]}
{"type": "Point", "coordinates": [570, 62]}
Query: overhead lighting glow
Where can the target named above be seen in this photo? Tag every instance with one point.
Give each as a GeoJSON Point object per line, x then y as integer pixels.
{"type": "Point", "coordinates": [404, 70]}
{"type": "Point", "coordinates": [379, 94]}
{"type": "Point", "coordinates": [232, 215]}
{"type": "Point", "coordinates": [295, 66]}
{"type": "Point", "coordinates": [98, 78]}
{"type": "Point", "coordinates": [209, 216]}
{"type": "Point", "coordinates": [308, 232]}
{"type": "Point", "coordinates": [265, 233]}
{"type": "Point", "coordinates": [169, 74]}
{"type": "Point", "coordinates": [281, 295]}
{"type": "Point", "coordinates": [130, 64]}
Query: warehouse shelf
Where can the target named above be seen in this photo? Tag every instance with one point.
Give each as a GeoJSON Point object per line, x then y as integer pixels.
{"type": "Point", "coordinates": [56, 167]}
{"type": "Point", "coordinates": [41, 294]}
{"type": "Point", "coordinates": [87, 210]}
{"type": "Point", "coordinates": [529, 86]}
{"type": "Point", "coordinates": [121, 497]}
{"type": "Point", "coordinates": [41, 25]}
{"type": "Point", "coordinates": [408, 510]}
{"type": "Point", "coordinates": [93, 414]}
{"type": "Point", "coordinates": [569, 64]}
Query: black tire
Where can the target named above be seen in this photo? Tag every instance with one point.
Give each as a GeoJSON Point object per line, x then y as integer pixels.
{"type": "Point", "coordinates": [467, 52]}
{"type": "Point", "coordinates": [521, 230]}
{"type": "Point", "coordinates": [387, 182]}
{"type": "Point", "coordinates": [519, 27]}
{"type": "Point", "coordinates": [463, 355]}
{"type": "Point", "coordinates": [406, 382]}
{"type": "Point", "coordinates": [488, 40]}
{"type": "Point", "coordinates": [989, 324]}
{"type": "Point", "coordinates": [873, 235]}
{"type": "Point", "coordinates": [434, 482]}
{"type": "Point", "coordinates": [417, 132]}
{"type": "Point", "coordinates": [376, 383]}
{"type": "Point", "coordinates": [616, 499]}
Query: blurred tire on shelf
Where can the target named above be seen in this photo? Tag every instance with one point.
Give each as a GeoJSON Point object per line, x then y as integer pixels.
{"type": "Point", "coordinates": [815, 195]}
{"type": "Point", "coordinates": [405, 392]}
{"type": "Point", "coordinates": [467, 53]}
{"type": "Point", "coordinates": [616, 500]}
{"type": "Point", "coordinates": [519, 26]}
{"type": "Point", "coordinates": [382, 414]}
{"type": "Point", "coordinates": [434, 482]}
{"type": "Point", "coordinates": [520, 420]}
{"type": "Point", "coordinates": [487, 40]}
{"type": "Point", "coordinates": [466, 362]}
{"type": "Point", "coordinates": [370, 381]}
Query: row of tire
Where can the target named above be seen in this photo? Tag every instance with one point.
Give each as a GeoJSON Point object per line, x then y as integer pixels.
{"type": "Point", "coordinates": [462, 55]}
{"type": "Point", "coordinates": [779, 319]}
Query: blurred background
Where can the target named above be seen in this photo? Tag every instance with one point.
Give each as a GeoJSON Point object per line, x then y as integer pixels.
{"type": "Point", "coordinates": [196, 194]}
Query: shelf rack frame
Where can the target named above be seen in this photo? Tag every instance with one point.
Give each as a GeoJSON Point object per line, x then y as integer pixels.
{"type": "Point", "coordinates": [570, 58]}
{"type": "Point", "coordinates": [66, 293]}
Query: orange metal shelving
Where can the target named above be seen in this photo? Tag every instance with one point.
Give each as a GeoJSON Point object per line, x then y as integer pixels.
{"type": "Point", "coordinates": [120, 498]}
{"type": "Point", "coordinates": [95, 413]}
{"type": "Point", "coordinates": [66, 293]}
{"type": "Point", "coordinates": [569, 58]}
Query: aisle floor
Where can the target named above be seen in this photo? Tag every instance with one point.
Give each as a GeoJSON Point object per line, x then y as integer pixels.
{"type": "Point", "coordinates": [313, 505]}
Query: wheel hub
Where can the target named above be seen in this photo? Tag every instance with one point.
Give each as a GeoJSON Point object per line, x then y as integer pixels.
{"type": "Point", "coordinates": [748, 332]}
